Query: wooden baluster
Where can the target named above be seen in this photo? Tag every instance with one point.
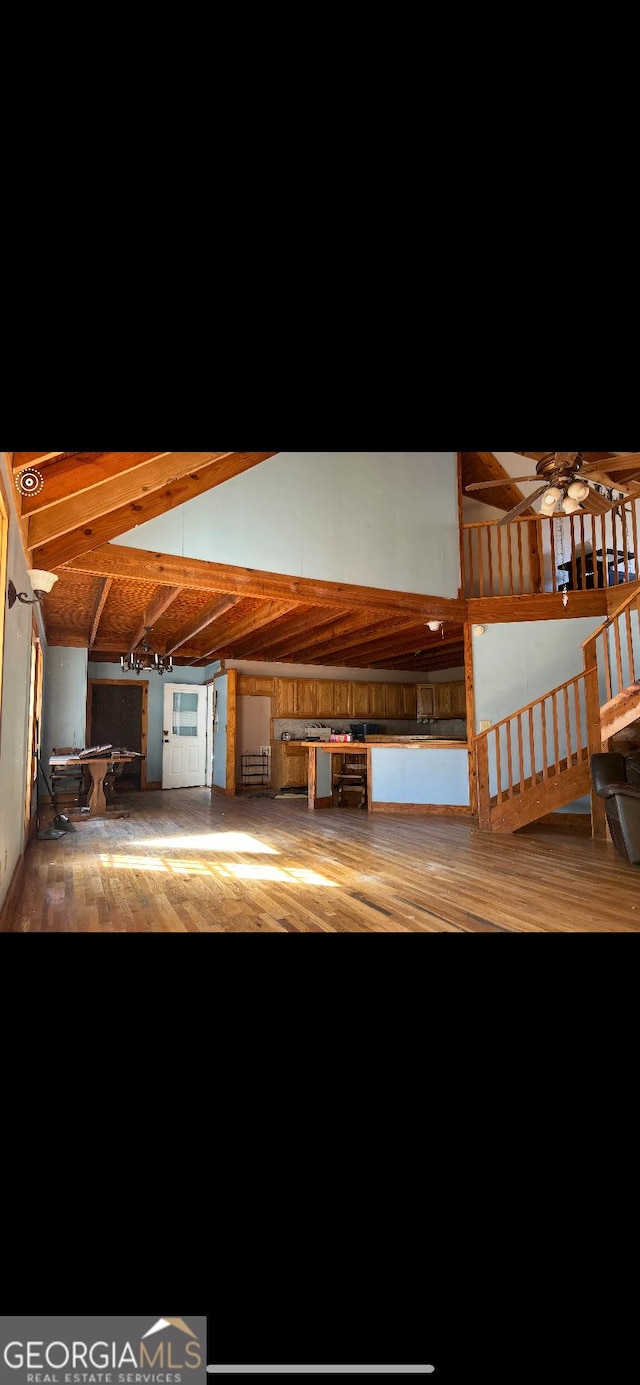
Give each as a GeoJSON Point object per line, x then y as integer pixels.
{"type": "Point", "coordinates": [521, 753]}
{"type": "Point", "coordinates": [632, 668]}
{"type": "Point", "coordinates": [594, 736]}
{"type": "Point", "coordinates": [484, 792]}
{"type": "Point", "coordinates": [532, 746]}
{"type": "Point", "coordinates": [607, 663]}
{"type": "Point", "coordinates": [471, 588]}
{"type": "Point", "coordinates": [583, 751]}
{"type": "Point", "coordinates": [534, 529]}
{"type": "Point", "coordinates": [554, 573]}
{"type": "Point", "coordinates": [625, 541]}
{"type": "Point", "coordinates": [594, 560]}
{"type": "Point", "coordinates": [567, 728]}
{"type": "Point", "coordinates": [499, 765]}
{"type": "Point", "coordinates": [545, 753]}
{"type": "Point", "coordinates": [616, 627]}
{"type": "Point", "coordinates": [481, 560]}
{"type": "Point", "coordinates": [508, 730]}
{"type": "Point", "coordinates": [634, 526]}
{"type": "Point", "coordinates": [520, 560]}
{"type": "Point", "coordinates": [603, 540]}
{"type": "Point", "coordinates": [556, 733]}
{"type": "Point", "coordinates": [499, 537]}
{"type": "Point", "coordinates": [490, 538]}
{"type": "Point", "coordinates": [583, 575]}
{"type": "Point", "coordinates": [509, 532]}
{"type": "Point", "coordinates": [615, 548]}
{"type": "Point", "coordinates": [574, 565]}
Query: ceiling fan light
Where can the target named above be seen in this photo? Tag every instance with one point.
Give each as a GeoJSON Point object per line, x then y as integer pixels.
{"type": "Point", "coordinates": [570, 506]}
{"type": "Point", "coordinates": [553, 495]}
{"type": "Point", "coordinates": [578, 490]}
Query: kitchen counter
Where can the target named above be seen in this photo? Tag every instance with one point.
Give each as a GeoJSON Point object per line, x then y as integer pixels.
{"type": "Point", "coordinates": [382, 743]}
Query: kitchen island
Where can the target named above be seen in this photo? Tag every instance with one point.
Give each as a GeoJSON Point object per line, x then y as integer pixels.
{"type": "Point", "coordinates": [409, 774]}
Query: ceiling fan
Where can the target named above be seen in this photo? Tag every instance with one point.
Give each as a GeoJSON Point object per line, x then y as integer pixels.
{"type": "Point", "coordinates": [566, 480]}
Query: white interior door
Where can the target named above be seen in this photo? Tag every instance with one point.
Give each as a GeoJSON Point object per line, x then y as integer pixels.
{"type": "Point", "coordinates": [184, 736]}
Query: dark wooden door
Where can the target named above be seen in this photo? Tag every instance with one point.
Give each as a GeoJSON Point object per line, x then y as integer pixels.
{"type": "Point", "coordinates": [116, 719]}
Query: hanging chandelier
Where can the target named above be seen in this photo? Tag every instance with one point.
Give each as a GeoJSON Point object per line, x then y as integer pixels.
{"type": "Point", "coordinates": [143, 659]}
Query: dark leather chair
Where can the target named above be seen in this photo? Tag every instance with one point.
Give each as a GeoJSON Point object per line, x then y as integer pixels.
{"type": "Point", "coordinates": [616, 779]}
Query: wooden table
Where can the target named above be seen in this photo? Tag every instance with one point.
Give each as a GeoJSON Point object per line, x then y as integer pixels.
{"type": "Point", "coordinates": [98, 768]}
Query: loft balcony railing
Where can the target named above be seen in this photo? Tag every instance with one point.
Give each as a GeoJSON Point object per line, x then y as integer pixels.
{"type": "Point", "coordinates": [535, 554]}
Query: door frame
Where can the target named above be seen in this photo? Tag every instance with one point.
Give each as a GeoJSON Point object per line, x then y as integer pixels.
{"type": "Point", "coordinates": [231, 675]}
{"type": "Point", "coordinates": [34, 728]}
{"type": "Point", "coordinates": [143, 685]}
{"type": "Point", "coordinates": [197, 688]}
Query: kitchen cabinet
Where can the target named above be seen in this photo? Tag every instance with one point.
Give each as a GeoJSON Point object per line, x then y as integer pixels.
{"type": "Point", "coordinates": [286, 699]}
{"type": "Point", "coordinates": [376, 701]}
{"type": "Point", "coordinates": [442, 700]}
{"type": "Point", "coordinates": [392, 699]}
{"type": "Point", "coordinates": [306, 697]}
{"type": "Point", "coordinates": [342, 699]}
{"type": "Point", "coordinates": [360, 701]}
{"type": "Point", "coordinates": [409, 701]}
{"type": "Point", "coordinates": [289, 765]}
{"type": "Point", "coordinates": [250, 686]}
{"type": "Point", "coordinates": [324, 698]}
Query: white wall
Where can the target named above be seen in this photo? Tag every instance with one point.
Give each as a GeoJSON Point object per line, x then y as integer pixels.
{"type": "Point", "coordinates": [15, 697]}
{"type": "Point", "coordinates": [64, 710]}
{"type": "Point", "coordinates": [420, 776]}
{"type": "Point", "coordinates": [380, 519]}
{"type": "Point", "coordinates": [253, 728]}
{"type": "Point", "coordinates": [346, 675]}
{"type": "Point", "coordinates": [155, 716]}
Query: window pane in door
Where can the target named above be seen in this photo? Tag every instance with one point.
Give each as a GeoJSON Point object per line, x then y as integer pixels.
{"type": "Point", "coordinates": [185, 714]}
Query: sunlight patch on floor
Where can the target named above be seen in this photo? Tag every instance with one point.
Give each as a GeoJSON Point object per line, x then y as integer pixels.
{"type": "Point", "coordinates": [213, 841]}
{"type": "Point", "coordinates": [166, 866]}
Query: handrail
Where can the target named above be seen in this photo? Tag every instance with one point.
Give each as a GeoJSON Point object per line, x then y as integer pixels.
{"type": "Point", "coordinates": [530, 705]}
{"type": "Point", "coordinates": [616, 615]}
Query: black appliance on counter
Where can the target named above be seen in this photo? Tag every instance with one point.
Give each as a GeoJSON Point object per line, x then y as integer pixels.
{"type": "Point", "coordinates": [361, 729]}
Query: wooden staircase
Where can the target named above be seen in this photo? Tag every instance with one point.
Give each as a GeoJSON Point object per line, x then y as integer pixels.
{"type": "Point", "coordinates": [537, 760]}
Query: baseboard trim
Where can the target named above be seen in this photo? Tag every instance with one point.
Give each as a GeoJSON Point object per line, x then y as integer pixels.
{"type": "Point", "coordinates": [324, 803]}
{"type": "Point", "coordinates": [11, 897]}
{"type": "Point", "coordinates": [153, 784]}
{"type": "Point", "coordinates": [432, 810]}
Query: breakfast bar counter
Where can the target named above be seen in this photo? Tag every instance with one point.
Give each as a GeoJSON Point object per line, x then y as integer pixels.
{"type": "Point", "coordinates": [399, 777]}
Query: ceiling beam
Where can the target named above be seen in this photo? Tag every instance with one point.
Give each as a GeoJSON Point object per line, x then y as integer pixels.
{"type": "Point", "coordinates": [403, 644]}
{"type": "Point", "coordinates": [218, 608]}
{"type": "Point", "coordinates": [101, 602]}
{"type": "Point", "coordinates": [326, 634]}
{"type": "Point", "coordinates": [286, 630]}
{"type": "Point", "coordinates": [112, 560]}
{"type": "Point", "coordinates": [79, 472]}
{"type": "Point", "coordinates": [20, 460]}
{"type": "Point", "coordinates": [160, 602]}
{"type": "Point", "coordinates": [261, 617]}
{"type": "Point", "coordinates": [87, 536]}
{"type": "Point", "coordinates": [362, 634]}
{"type": "Point", "coordinates": [130, 485]}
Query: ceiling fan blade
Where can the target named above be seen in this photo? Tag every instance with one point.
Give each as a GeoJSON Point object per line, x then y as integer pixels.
{"type": "Point", "coordinates": [524, 505]}
{"type": "Point", "coordinates": [626, 461]}
{"type": "Point", "coordinates": [505, 481]}
{"type": "Point", "coordinates": [596, 504]}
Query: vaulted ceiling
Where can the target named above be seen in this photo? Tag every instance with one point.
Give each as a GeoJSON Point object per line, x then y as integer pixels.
{"type": "Point", "coordinates": [107, 596]}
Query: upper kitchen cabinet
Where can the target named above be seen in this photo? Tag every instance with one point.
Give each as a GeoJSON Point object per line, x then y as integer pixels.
{"type": "Point", "coordinates": [306, 697]}
{"type": "Point", "coordinates": [393, 700]}
{"type": "Point", "coordinates": [360, 700]}
{"type": "Point", "coordinates": [426, 700]}
{"type": "Point", "coordinates": [376, 701]}
{"type": "Point", "coordinates": [324, 698]}
{"type": "Point", "coordinates": [442, 700]}
{"type": "Point", "coordinates": [342, 704]}
{"type": "Point", "coordinates": [286, 699]}
{"type": "Point", "coordinates": [409, 702]}
{"type": "Point", "coordinates": [459, 699]}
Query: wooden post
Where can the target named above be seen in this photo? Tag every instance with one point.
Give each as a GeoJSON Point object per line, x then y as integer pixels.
{"type": "Point", "coordinates": [594, 736]}
{"type": "Point", "coordinates": [484, 796]}
{"type": "Point", "coordinates": [535, 565]}
{"type": "Point", "coordinates": [312, 779]}
{"type": "Point", "coordinates": [471, 718]}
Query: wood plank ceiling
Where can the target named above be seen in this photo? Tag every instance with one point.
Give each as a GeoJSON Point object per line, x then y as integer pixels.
{"type": "Point", "coordinates": [107, 596]}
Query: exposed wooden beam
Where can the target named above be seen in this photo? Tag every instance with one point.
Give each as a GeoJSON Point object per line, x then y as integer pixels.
{"type": "Point", "coordinates": [326, 634]}
{"type": "Point", "coordinates": [262, 617]}
{"type": "Point", "coordinates": [286, 630]}
{"type": "Point", "coordinates": [359, 634]}
{"type": "Point", "coordinates": [218, 608]}
{"type": "Point", "coordinates": [160, 602]}
{"type": "Point", "coordinates": [87, 536]}
{"type": "Point", "coordinates": [379, 649]}
{"type": "Point", "coordinates": [121, 489]}
{"type": "Point", "coordinates": [99, 608]}
{"type": "Point", "coordinates": [20, 460]}
{"type": "Point", "coordinates": [78, 473]}
{"type": "Point", "coordinates": [112, 560]}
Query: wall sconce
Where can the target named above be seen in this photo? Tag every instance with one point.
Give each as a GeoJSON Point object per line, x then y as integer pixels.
{"type": "Point", "coordinates": [41, 582]}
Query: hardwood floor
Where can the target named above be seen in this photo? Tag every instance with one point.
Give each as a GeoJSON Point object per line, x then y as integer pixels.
{"type": "Point", "coordinates": [185, 861]}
